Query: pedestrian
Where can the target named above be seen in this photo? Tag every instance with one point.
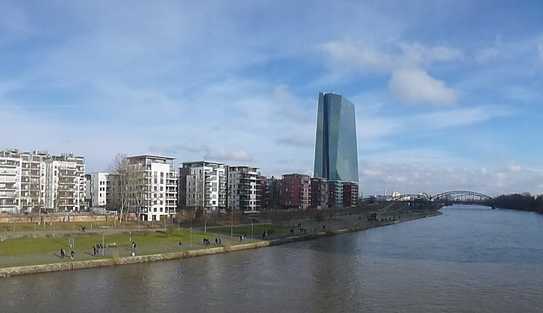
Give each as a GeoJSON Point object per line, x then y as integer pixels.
{"type": "Point", "coordinates": [93, 250]}
{"type": "Point", "coordinates": [72, 253]}
{"type": "Point", "coordinates": [62, 254]}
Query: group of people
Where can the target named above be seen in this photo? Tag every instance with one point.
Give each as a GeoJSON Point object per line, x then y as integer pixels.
{"type": "Point", "coordinates": [206, 242]}
{"type": "Point", "coordinates": [242, 237]}
{"type": "Point", "coordinates": [98, 249]}
{"type": "Point", "coordinates": [63, 253]}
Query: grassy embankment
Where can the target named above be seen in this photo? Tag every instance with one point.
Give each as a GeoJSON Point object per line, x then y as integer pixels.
{"type": "Point", "coordinates": [42, 250]}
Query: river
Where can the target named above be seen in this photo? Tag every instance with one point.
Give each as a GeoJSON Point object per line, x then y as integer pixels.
{"type": "Point", "coordinates": [469, 259]}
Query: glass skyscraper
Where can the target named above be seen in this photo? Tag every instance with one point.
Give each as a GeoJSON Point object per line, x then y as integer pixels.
{"type": "Point", "coordinates": [336, 154]}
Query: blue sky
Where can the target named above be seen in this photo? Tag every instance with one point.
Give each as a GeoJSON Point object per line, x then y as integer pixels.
{"type": "Point", "coordinates": [448, 94]}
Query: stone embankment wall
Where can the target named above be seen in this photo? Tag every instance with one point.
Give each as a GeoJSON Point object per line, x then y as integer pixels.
{"type": "Point", "coordinates": [60, 218]}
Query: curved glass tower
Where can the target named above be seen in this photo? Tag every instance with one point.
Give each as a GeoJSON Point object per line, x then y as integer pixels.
{"type": "Point", "coordinates": [336, 156]}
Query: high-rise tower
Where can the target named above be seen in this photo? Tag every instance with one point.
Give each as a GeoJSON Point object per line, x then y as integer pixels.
{"type": "Point", "coordinates": [336, 156]}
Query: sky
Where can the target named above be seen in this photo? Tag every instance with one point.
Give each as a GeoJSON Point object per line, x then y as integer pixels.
{"type": "Point", "coordinates": [448, 94]}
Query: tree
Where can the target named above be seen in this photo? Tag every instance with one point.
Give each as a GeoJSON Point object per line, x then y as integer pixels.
{"type": "Point", "coordinates": [119, 184]}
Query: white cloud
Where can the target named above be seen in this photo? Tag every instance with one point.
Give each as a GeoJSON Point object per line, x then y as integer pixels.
{"type": "Point", "coordinates": [417, 86]}
{"type": "Point", "coordinates": [416, 53]}
{"type": "Point", "coordinates": [459, 117]}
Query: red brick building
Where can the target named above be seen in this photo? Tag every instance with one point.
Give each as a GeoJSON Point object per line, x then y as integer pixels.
{"type": "Point", "coordinates": [295, 191]}
{"type": "Point", "coordinates": [319, 193]}
{"type": "Point", "coordinates": [350, 195]}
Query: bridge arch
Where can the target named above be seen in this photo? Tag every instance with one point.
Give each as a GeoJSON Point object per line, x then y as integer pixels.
{"type": "Point", "coordinates": [462, 196]}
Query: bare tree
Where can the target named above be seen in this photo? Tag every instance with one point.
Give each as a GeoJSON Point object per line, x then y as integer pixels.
{"type": "Point", "coordinates": [119, 181]}
{"type": "Point", "coordinates": [129, 186]}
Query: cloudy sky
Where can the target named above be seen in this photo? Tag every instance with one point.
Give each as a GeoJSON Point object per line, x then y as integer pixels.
{"type": "Point", "coordinates": [448, 94]}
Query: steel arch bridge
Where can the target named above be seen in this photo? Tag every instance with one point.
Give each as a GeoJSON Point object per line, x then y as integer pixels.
{"type": "Point", "coordinates": [462, 196]}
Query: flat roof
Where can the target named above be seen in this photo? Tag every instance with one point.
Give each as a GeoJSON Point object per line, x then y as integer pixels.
{"type": "Point", "coordinates": [150, 156]}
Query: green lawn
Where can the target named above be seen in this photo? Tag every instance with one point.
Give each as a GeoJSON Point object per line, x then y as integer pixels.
{"type": "Point", "coordinates": [257, 230]}
{"type": "Point", "coordinates": [26, 251]}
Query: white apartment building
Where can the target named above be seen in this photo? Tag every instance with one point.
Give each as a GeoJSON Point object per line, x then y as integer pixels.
{"type": "Point", "coordinates": [242, 188]}
{"type": "Point", "coordinates": [202, 185]}
{"type": "Point", "coordinates": [65, 184]}
{"type": "Point", "coordinates": [150, 187]}
{"type": "Point", "coordinates": [99, 188]}
{"type": "Point", "coordinates": [36, 180]}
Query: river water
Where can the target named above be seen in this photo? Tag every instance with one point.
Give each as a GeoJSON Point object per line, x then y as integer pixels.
{"type": "Point", "coordinates": [470, 259]}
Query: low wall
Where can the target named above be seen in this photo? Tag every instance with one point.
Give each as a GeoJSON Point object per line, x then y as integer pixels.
{"type": "Point", "coordinates": [55, 218]}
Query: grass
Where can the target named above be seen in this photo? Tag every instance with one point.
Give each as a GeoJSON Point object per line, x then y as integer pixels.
{"type": "Point", "coordinates": [258, 229]}
{"type": "Point", "coordinates": [25, 251]}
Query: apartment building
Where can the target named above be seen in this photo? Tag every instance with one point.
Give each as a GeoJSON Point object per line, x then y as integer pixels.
{"type": "Point", "coordinates": [146, 185]}
{"type": "Point", "coordinates": [319, 193]}
{"type": "Point", "coordinates": [203, 185]}
{"type": "Point", "coordinates": [272, 197]}
{"type": "Point", "coordinates": [335, 194]}
{"type": "Point", "coordinates": [98, 189]}
{"type": "Point", "coordinates": [295, 191]}
{"type": "Point", "coordinates": [37, 180]}
{"type": "Point", "coordinates": [350, 195]}
{"type": "Point", "coordinates": [65, 183]}
{"type": "Point", "coordinates": [242, 188]}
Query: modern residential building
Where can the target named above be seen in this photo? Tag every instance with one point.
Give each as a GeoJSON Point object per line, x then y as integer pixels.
{"type": "Point", "coordinates": [335, 194]}
{"type": "Point", "coordinates": [295, 191]}
{"type": "Point", "coordinates": [37, 180]}
{"type": "Point", "coordinates": [203, 185]}
{"type": "Point", "coordinates": [261, 184]}
{"type": "Point", "coordinates": [65, 183]}
{"type": "Point", "coordinates": [272, 197]}
{"type": "Point", "coordinates": [336, 156]}
{"type": "Point", "coordinates": [147, 186]}
{"type": "Point", "coordinates": [319, 193]}
{"type": "Point", "coordinates": [242, 188]}
{"type": "Point", "coordinates": [10, 181]}
{"type": "Point", "coordinates": [99, 188]}
{"type": "Point", "coordinates": [350, 195]}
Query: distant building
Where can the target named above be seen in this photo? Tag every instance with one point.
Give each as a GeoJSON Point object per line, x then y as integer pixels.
{"type": "Point", "coordinates": [319, 193]}
{"type": "Point", "coordinates": [261, 184]}
{"type": "Point", "coordinates": [336, 156]}
{"type": "Point", "coordinates": [335, 194]}
{"type": "Point", "coordinates": [99, 189]}
{"type": "Point", "coordinates": [350, 195]}
{"type": "Point", "coordinates": [37, 180]}
{"type": "Point", "coordinates": [272, 193]}
{"type": "Point", "coordinates": [203, 185]}
{"type": "Point", "coordinates": [88, 197]}
{"type": "Point", "coordinates": [242, 188]}
{"type": "Point", "coordinates": [295, 191]}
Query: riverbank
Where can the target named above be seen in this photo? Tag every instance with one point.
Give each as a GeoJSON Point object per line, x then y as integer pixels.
{"type": "Point", "coordinates": [95, 263]}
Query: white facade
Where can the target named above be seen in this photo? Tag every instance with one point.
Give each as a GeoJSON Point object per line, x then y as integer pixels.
{"type": "Point", "coordinates": [99, 188]}
{"type": "Point", "coordinates": [37, 180]}
{"type": "Point", "coordinates": [203, 185]}
{"type": "Point", "coordinates": [65, 184]}
{"type": "Point", "coordinates": [242, 188]}
{"type": "Point", "coordinates": [152, 187]}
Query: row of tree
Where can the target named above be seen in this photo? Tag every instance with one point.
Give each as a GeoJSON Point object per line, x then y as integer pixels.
{"type": "Point", "coordinates": [524, 202]}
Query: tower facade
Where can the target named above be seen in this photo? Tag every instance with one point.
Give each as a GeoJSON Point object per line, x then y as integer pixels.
{"type": "Point", "coordinates": [336, 156]}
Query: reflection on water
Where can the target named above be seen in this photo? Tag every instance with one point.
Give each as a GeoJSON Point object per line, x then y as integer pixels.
{"type": "Point", "coordinates": [470, 259]}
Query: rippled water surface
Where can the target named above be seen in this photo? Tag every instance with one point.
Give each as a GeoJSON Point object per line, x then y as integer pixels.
{"type": "Point", "coordinates": [470, 259]}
